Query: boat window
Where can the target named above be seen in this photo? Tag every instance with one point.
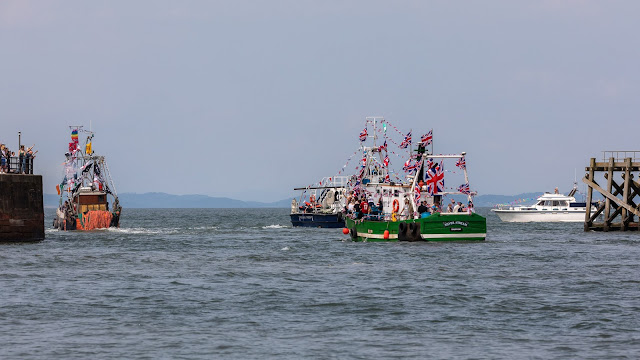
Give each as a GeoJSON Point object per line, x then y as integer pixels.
{"type": "Point", "coordinates": [541, 203]}
{"type": "Point", "coordinates": [564, 203]}
{"type": "Point", "coordinates": [548, 203]}
{"type": "Point", "coordinates": [556, 203]}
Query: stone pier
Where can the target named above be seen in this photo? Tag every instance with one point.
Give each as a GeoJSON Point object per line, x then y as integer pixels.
{"type": "Point", "coordinates": [21, 208]}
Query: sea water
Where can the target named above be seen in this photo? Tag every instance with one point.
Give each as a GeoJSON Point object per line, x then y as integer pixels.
{"type": "Point", "coordinates": [244, 284]}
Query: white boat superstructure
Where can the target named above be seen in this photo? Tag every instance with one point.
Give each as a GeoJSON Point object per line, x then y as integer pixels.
{"type": "Point", "coordinates": [548, 208]}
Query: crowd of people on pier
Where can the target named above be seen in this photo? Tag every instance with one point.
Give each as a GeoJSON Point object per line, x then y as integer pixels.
{"type": "Point", "coordinates": [22, 163]}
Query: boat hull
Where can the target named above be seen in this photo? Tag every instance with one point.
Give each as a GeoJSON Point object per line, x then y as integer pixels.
{"type": "Point", "coordinates": [540, 216]}
{"type": "Point", "coordinates": [317, 220]}
{"type": "Point", "coordinates": [437, 227]}
{"type": "Point", "coordinates": [92, 220]}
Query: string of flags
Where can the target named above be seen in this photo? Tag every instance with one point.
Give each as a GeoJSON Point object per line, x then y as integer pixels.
{"type": "Point", "coordinates": [434, 172]}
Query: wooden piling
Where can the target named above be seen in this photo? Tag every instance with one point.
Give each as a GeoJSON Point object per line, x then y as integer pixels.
{"type": "Point", "coordinates": [619, 195]}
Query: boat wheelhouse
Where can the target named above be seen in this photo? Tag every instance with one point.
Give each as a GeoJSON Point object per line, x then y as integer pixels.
{"type": "Point", "coordinates": [320, 205]}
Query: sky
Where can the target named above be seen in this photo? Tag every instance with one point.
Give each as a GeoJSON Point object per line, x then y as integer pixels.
{"type": "Point", "coordinates": [249, 99]}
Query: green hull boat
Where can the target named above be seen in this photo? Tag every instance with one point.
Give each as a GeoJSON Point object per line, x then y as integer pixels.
{"type": "Point", "coordinates": [436, 227]}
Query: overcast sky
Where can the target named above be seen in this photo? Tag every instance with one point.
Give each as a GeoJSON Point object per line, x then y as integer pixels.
{"type": "Point", "coordinates": [248, 99]}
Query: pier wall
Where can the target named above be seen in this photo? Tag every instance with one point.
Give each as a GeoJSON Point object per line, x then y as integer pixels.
{"type": "Point", "coordinates": [21, 208]}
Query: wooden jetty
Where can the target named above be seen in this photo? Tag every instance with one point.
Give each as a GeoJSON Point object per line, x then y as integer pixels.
{"type": "Point", "coordinates": [620, 210]}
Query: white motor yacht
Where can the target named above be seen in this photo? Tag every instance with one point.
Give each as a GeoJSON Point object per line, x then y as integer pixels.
{"type": "Point", "coordinates": [548, 208]}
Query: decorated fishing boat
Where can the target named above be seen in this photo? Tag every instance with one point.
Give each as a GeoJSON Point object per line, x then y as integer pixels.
{"type": "Point", "coordinates": [550, 207]}
{"type": "Point", "coordinates": [321, 204]}
{"type": "Point", "coordinates": [88, 198]}
{"type": "Point", "coordinates": [384, 206]}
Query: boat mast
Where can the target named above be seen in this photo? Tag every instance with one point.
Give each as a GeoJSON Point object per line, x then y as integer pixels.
{"type": "Point", "coordinates": [466, 177]}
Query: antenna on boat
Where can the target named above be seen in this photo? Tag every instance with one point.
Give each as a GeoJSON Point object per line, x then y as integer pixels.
{"type": "Point", "coordinates": [432, 141]}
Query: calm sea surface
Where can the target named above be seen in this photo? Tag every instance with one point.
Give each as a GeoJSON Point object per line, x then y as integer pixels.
{"type": "Point", "coordinates": [244, 284]}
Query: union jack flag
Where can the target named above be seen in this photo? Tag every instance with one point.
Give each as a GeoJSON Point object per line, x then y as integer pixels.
{"type": "Point", "coordinates": [429, 163]}
{"type": "Point", "coordinates": [386, 161]}
{"type": "Point", "coordinates": [435, 179]}
{"type": "Point", "coordinates": [427, 138]}
{"type": "Point", "coordinates": [387, 179]}
{"type": "Point", "coordinates": [363, 135]}
{"type": "Point", "coordinates": [383, 147]}
{"type": "Point", "coordinates": [464, 188]}
{"type": "Point", "coordinates": [364, 161]}
{"type": "Point", "coordinates": [408, 166]}
{"type": "Point", "coordinates": [461, 163]}
{"type": "Point", "coordinates": [417, 193]}
{"type": "Point", "coordinates": [406, 142]}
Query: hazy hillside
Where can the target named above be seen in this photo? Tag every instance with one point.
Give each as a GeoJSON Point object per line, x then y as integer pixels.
{"type": "Point", "coordinates": [163, 200]}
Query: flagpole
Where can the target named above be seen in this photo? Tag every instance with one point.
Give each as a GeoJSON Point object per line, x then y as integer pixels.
{"type": "Point", "coordinates": [466, 177]}
{"type": "Point", "coordinates": [432, 141]}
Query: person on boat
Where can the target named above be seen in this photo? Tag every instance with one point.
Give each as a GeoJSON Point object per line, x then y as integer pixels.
{"type": "Point", "coordinates": [405, 210]}
{"type": "Point", "coordinates": [556, 191]}
{"type": "Point", "coordinates": [470, 208]}
{"type": "Point", "coordinates": [451, 205]}
{"type": "Point", "coordinates": [364, 207]}
{"type": "Point", "coordinates": [457, 206]}
{"type": "Point", "coordinates": [460, 207]}
{"type": "Point", "coordinates": [351, 207]}
{"type": "Point", "coordinates": [423, 208]}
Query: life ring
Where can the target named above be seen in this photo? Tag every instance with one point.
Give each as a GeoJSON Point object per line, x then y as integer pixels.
{"type": "Point", "coordinates": [312, 198]}
{"type": "Point", "coordinates": [396, 205]}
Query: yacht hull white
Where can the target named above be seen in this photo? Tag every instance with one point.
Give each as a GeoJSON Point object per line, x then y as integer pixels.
{"type": "Point", "coordinates": [540, 216]}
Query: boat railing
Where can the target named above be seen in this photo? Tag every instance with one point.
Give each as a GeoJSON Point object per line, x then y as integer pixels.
{"type": "Point", "coordinates": [620, 155]}
{"type": "Point", "coordinates": [17, 165]}
{"type": "Point", "coordinates": [335, 181]}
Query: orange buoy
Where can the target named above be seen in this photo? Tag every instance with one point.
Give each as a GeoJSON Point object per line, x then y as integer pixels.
{"type": "Point", "coordinates": [345, 231]}
{"type": "Point", "coordinates": [386, 235]}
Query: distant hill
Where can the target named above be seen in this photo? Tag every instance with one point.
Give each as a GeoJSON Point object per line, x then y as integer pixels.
{"type": "Point", "coordinates": [163, 200]}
